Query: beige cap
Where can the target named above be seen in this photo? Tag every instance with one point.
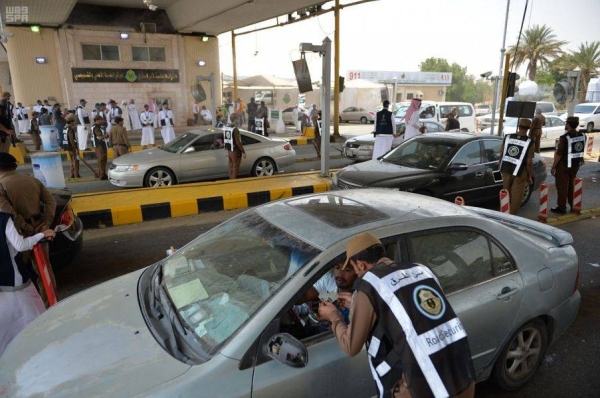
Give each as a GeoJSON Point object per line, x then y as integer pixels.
{"type": "Point", "coordinates": [359, 243]}
{"type": "Point", "coordinates": [525, 123]}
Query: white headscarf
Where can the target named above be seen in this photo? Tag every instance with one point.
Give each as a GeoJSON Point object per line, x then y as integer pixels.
{"type": "Point", "coordinates": [415, 105]}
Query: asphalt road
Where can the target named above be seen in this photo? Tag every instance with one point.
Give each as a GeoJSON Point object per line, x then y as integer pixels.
{"type": "Point", "coordinates": [570, 368]}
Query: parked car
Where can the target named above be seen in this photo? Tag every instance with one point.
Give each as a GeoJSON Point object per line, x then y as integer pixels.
{"type": "Point", "coordinates": [442, 165]}
{"type": "Point", "coordinates": [199, 155]}
{"type": "Point", "coordinates": [361, 148]}
{"type": "Point", "coordinates": [208, 317]}
{"type": "Point", "coordinates": [356, 114]}
{"type": "Point", "coordinates": [588, 114]}
{"type": "Point", "coordinates": [288, 115]}
{"type": "Point", "coordinates": [482, 109]}
{"type": "Point", "coordinates": [466, 114]}
{"type": "Point", "coordinates": [554, 128]}
{"type": "Point", "coordinates": [67, 244]}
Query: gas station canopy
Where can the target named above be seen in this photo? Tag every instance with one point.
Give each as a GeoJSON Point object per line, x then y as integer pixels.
{"type": "Point", "coordinates": [210, 17]}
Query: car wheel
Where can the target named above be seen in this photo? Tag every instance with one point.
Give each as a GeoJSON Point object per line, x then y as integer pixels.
{"type": "Point", "coordinates": [363, 120]}
{"type": "Point", "coordinates": [264, 167]}
{"type": "Point", "coordinates": [522, 356]}
{"type": "Point", "coordinates": [590, 127]}
{"type": "Point", "coordinates": [159, 177]}
{"type": "Point", "coordinates": [526, 194]}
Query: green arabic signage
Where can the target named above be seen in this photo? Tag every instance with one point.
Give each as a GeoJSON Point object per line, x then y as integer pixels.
{"type": "Point", "coordinates": [101, 75]}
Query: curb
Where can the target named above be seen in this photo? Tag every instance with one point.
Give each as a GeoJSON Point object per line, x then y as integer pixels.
{"type": "Point", "coordinates": [572, 217]}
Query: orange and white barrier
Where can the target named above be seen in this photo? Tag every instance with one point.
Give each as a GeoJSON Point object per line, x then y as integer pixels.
{"type": "Point", "coordinates": [459, 201]}
{"type": "Point", "coordinates": [590, 145]}
{"type": "Point", "coordinates": [42, 262]}
{"type": "Point", "coordinates": [543, 213]}
{"type": "Point", "coordinates": [577, 195]}
{"type": "Point", "coordinates": [504, 201]}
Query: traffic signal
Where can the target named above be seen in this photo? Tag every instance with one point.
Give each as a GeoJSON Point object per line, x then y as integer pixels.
{"type": "Point", "coordinates": [512, 80]}
{"type": "Point", "coordinates": [563, 91]}
{"type": "Point", "coordinates": [341, 86]}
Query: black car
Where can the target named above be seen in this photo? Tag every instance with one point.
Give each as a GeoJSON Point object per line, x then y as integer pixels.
{"type": "Point", "coordinates": [443, 165]}
{"type": "Point", "coordinates": [67, 244]}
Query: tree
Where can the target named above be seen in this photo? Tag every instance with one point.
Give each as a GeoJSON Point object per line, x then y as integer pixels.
{"type": "Point", "coordinates": [587, 59]}
{"type": "Point", "coordinates": [538, 47]}
{"type": "Point", "coordinates": [463, 88]}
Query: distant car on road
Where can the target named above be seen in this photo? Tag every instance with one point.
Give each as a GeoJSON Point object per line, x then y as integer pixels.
{"type": "Point", "coordinates": [288, 115]}
{"type": "Point", "coordinates": [199, 155]}
{"type": "Point", "coordinates": [357, 114]}
{"type": "Point", "coordinates": [361, 148]}
{"type": "Point", "coordinates": [589, 116]}
{"type": "Point", "coordinates": [483, 109]}
{"type": "Point", "coordinates": [442, 165]}
{"type": "Point", "coordinates": [554, 128]}
{"type": "Point", "coordinates": [217, 316]}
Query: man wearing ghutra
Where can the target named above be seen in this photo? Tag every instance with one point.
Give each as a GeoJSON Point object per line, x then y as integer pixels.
{"type": "Point", "coordinates": [412, 119]}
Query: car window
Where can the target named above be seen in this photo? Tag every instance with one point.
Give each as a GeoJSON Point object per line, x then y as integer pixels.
{"type": "Point", "coordinates": [247, 140]}
{"type": "Point", "coordinates": [204, 143]}
{"type": "Point", "coordinates": [460, 259]}
{"type": "Point", "coordinates": [470, 154]}
{"type": "Point", "coordinates": [427, 113]}
{"type": "Point", "coordinates": [491, 150]}
{"type": "Point", "coordinates": [420, 154]}
{"type": "Point", "coordinates": [545, 107]}
{"type": "Point", "coordinates": [433, 127]}
{"type": "Point", "coordinates": [179, 143]}
{"type": "Point", "coordinates": [556, 122]}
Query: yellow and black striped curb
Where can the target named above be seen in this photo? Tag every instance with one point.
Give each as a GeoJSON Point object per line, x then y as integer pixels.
{"type": "Point", "coordinates": [105, 209]}
{"type": "Point", "coordinates": [572, 217]}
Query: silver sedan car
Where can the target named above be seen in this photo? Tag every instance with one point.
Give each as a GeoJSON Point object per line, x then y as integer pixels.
{"type": "Point", "coordinates": [357, 114]}
{"type": "Point", "coordinates": [199, 155]}
{"type": "Point", "coordinates": [217, 317]}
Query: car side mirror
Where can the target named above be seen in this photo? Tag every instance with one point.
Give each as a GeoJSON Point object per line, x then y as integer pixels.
{"type": "Point", "coordinates": [458, 166]}
{"type": "Point", "coordinates": [189, 149]}
{"type": "Point", "coordinates": [286, 349]}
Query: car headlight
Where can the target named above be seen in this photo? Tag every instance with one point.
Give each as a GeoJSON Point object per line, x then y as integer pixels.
{"type": "Point", "coordinates": [123, 168]}
{"type": "Point", "coordinates": [583, 119]}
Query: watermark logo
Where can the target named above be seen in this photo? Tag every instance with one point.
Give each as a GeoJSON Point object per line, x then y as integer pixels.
{"type": "Point", "coordinates": [16, 14]}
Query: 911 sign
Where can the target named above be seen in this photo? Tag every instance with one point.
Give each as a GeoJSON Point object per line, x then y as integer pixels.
{"type": "Point", "coordinates": [353, 75]}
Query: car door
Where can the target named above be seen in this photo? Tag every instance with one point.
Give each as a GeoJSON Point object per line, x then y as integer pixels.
{"type": "Point", "coordinates": [553, 128]}
{"type": "Point", "coordinates": [465, 174]}
{"type": "Point", "coordinates": [491, 159]}
{"type": "Point", "coordinates": [480, 280]}
{"type": "Point", "coordinates": [350, 114]}
{"type": "Point", "coordinates": [203, 159]}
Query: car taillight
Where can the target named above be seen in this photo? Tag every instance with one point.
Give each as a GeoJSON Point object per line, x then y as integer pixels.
{"type": "Point", "coordinates": [67, 217]}
{"type": "Point", "coordinates": [287, 147]}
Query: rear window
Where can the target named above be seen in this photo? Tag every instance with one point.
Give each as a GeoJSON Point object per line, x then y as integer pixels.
{"type": "Point", "coordinates": [545, 107]}
{"type": "Point", "coordinates": [463, 110]}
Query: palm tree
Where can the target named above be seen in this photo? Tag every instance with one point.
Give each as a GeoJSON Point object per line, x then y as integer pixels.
{"type": "Point", "coordinates": [538, 46]}
{"type": "Point", "coordinates": [587, 59]}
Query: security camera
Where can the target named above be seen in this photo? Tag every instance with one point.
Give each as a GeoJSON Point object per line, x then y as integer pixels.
{"type": "Point", "coordinates": [152, 7]}
{"type": "Point", "coordinates": [486, 74]}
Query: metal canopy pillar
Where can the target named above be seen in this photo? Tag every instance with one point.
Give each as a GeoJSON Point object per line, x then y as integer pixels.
{"type": "Point", "coordinates": [325, 51]}
{"type": "Point", "coordinates": [213, 105]}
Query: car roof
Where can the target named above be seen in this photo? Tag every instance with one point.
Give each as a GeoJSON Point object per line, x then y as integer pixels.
{"type": "Point", "coordinates": [316, 218]}
{"type": "Point", "coordinates": [454, 137]}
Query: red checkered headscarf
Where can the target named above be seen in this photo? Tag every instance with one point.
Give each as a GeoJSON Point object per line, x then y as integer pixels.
{"type": "Point", "coordinates": [415, 105]}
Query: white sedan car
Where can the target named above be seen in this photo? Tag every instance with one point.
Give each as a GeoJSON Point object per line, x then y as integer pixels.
{"type": "Point", "coordinates": [554, 128]}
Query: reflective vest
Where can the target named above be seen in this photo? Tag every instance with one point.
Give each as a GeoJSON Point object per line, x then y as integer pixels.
{"type": "Point", "coordinates": [164, 116]}
{"type": "Point", "coordinates": [84, 115]}
{"type": "Point", "coordinates": [147, 118]}
{"type": "Point", "coordinates": [259, 126]}
{"type": "Point", "coordinates": [383, 124]}
{"type": "Point", "coordinates": [65, 140]}
{"type": "Point", "coordinates": [515, 151]}
{"type": "Point", "coordinates": [574, 150]}
{"type": "Point", "coordinates": [228, 138]}
{"type": "Point", "coordinates": [426, 336]}
{"type": "Point", "coordinates": [98, 142]}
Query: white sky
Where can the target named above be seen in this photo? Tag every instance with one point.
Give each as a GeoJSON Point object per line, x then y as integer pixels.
{"type": "Point", "coordinates": [397, 35]}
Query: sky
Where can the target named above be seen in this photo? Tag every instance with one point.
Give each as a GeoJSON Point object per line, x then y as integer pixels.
{"type": "Point", "coordinates": [397, 35]}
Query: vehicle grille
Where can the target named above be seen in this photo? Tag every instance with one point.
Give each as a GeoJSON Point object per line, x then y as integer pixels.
{"type": "Point", "coordinates": [352, 145]}
{"type": "Point", "coordinates": [112, 166]}
{"type": "Point", "coordinates": [346, 185]}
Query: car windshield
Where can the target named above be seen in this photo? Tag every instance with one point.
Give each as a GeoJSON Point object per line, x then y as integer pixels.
{"type": "Point", "coordinates": [179, 143]}
{"type": "Point", "coordinates": [420, 154]}
{"type": "Point", "coordinates": [585, 109]}
{"type": "Point", "coordinates": [222, 278]}
{"type": "Point", "coordinates": [401, 112]}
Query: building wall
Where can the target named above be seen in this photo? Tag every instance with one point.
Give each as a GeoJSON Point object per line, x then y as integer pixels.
{"type": "Point", "coordinates": [63, 50]}
{"type": "Point", "coordinates": [32, 81]}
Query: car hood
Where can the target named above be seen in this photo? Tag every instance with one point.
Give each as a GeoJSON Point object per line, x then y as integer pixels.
{"type": "Point", "coordinates": [376, 173]}
{"type": "Point", "coordinates": [94, 343]}
{"type": "Point", "coordinates": [143, 157]}
{"type": "Point", "coordinates": [363, 139]}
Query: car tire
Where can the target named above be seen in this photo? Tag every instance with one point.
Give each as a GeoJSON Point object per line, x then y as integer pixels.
{"type": "Point", "coordinates": [264, 167]}
{"type": "Point", "coordinates": [590, 127]}
{"type": "Point", "coordinates": [527, 194]}
{"type": "Point", "coordinates": [363, 120]}
{"type": "Point", "coordinates": [159, 177]}
{"type": "Point", "coordinates": [526, 347]}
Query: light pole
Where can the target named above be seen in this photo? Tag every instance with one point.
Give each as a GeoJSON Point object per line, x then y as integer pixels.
{"type": "Point", "coordinates": [394, 93]}
{"type": "Point", "coordinates": [502, 51]}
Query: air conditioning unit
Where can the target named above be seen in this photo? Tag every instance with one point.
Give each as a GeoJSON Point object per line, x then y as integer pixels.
{"type": "Point", "coordinates": [148, 27]}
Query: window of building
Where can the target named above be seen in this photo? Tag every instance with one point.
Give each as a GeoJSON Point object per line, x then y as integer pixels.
{"type": "Point", "coordinates": [100, 52]}
{"type": "Point", "coordinates": [154, 54]}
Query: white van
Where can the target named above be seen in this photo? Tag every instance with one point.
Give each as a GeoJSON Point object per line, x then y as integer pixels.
{"type": "Point", "coordinates": [466, 114]}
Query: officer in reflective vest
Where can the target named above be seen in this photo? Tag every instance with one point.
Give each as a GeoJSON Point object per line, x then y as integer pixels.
{"type": "Point", "coordinates": [517, 164]}
{"type": "Point", "coordinates": [401, 312]}
{"type": "Point", "coordinates": [234, 147]}
{"type": "Point", "coordinates": [567, 159]}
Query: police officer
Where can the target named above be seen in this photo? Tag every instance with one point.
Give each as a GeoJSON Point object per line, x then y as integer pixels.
{"type": "Point", "coordinates": [535, 133]}
{"type": "Point", "coordinates": [400, 311]}
{"type": "Point", "coordinates": [385, 131]}
{"type": "Point", "coordinates": [7, 129]}
{"type": "Point", "coordinates": [517, 164]}
{"type": "Point", "coordinates": [99, 139]}
{"type": "Point", "coordinates": [234, 147]}
{"type": "Point", "coordinates": [567, 159]}
{"type": "Point", "coordinates": [70, 144]}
